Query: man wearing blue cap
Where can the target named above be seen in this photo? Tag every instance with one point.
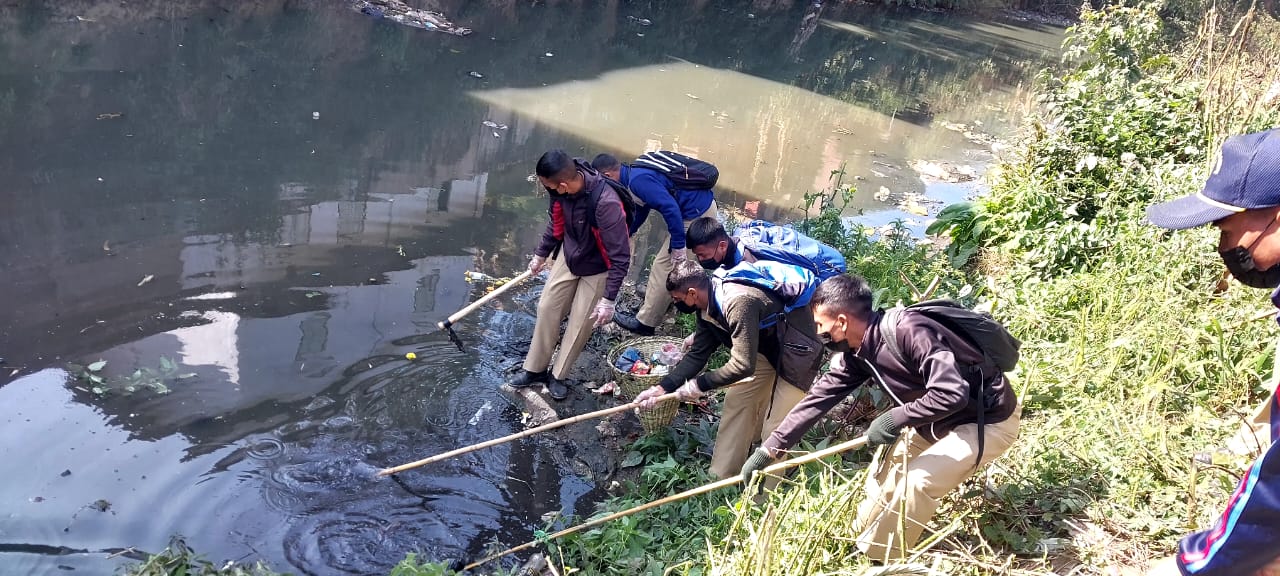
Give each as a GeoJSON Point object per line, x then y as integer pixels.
{"type": "Point", "coordinates": [1242, 199]}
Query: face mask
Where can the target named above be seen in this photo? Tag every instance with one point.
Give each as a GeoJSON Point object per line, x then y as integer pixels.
{"type": "Point", "coordinates": [709, 264]}
{"type": "Point", "coordinates": [1240, 263]}
{"type": "Point", "coordinates": [832, 345]}
{"type": "Point", "coordinates": [686, 308]}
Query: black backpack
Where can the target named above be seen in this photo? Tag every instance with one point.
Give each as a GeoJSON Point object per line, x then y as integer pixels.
{"type": "Point", "coordinates": [624, 194]}
{"type": "Point", "coordinates": [998, 346]}
{"type": "Point", "coordinates": [684, 172]}
{"type": "Point", "coordinates": [988, 335]}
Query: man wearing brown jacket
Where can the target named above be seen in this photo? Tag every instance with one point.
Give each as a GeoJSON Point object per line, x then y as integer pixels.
{"type": "Point", "coordinates": [589, 224]}
{"type": "Point", "coordinates": [732, 315]}
{"type": "Point", "coordinates": [933, 434]}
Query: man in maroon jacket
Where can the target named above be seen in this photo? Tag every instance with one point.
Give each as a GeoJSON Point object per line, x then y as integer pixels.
{"type": "Point", "coordinates": [589, 224]}
{"type": "Point", "coordinates": [933, 434]}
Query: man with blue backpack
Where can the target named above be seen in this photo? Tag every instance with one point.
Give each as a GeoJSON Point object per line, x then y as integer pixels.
{"type": "Point", "coordinates": [760, 312]}
{"type": "Point", "coordinates": [760, 240]}
{"type": "Point", "coordinates": [678, 188]}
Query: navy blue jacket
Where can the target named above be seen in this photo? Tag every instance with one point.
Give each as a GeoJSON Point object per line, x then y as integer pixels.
{"type": "Point", "coordinates": [653, 189]}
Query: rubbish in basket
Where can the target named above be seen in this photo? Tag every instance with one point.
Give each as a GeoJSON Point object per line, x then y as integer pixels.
{"type": "Point", "coordinates": [632, 361]}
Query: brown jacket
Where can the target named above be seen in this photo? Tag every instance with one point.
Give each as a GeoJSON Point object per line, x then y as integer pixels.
{"type": "Point", "coordinates": [934, 389]}
{"type": "Point", "coordinates": [589, 251]}
{"type": "Point", "coordinates": [736, 324]}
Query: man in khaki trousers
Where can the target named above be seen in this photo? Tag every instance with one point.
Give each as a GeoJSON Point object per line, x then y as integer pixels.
{"type": "Point", "coordinates": [733, 313]}
{"type": "Point", "coordinates": [589, 225]}
{"type": "Point", "coordinates": [655, 193]}
{"type": "Point", "coordinates": [951, 419]}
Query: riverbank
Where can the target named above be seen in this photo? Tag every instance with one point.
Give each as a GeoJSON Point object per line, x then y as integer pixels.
{"type": "Point", "coordinates": [1137, 353]}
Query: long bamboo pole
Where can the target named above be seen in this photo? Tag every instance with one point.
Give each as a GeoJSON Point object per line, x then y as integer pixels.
{"type": "Point", "coordinates": [519, 435]}
{"type": "Point", "coordinates": [543, 428]}
{"type": "Point", "coordinates": [484, 299]}
{"type": "Point", "coordinates": [785, 464]}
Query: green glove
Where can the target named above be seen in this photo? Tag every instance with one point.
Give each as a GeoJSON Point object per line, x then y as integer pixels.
{"type": "Point", "coordinates": [883, 430]}
{"type": "Point", "coordinates": [757, 462]}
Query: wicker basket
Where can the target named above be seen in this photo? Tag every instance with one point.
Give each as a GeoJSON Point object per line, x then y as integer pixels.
{"type": "Point", "coordinates": [660, 416]}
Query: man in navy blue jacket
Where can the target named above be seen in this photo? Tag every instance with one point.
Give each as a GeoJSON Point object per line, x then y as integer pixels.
{"type": "Point", "coordinates": [1242, 199]}
{"type": "Point", "coordinates": [678, 208]}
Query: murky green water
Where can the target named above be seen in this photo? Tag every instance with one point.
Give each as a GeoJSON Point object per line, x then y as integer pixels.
{"type": "Point", "coordinates": [263, 208]}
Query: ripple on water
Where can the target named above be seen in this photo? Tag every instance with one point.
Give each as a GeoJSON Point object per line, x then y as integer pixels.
{"type": "Point", "coordinates": [265, 449]}
{"type": "Point", "coordinates": [359, 542]}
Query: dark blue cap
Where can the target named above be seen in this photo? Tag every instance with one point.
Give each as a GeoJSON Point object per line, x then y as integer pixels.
{"type": "Point", "coordinates": [1245, 176]}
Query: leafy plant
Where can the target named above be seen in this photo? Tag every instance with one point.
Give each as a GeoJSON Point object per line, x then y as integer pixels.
{"type": "Point", "coordinates": [155, 379]}
{"type": "Point", "coordinates": [179, 560]}
{"type": "Point", "coordinates": [410, 566]}
{"type": "Point", "coordinates": [964, 223]}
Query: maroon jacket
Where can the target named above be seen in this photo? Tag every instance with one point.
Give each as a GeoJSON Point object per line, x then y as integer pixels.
{"type": "Point", "coordinates": [589, 251]}
{"type": "Point", "coordinates": [934, 389]}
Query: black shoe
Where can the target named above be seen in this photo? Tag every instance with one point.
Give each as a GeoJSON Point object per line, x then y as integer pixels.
{"type": "Point", "coordinates": [525, 379]}
{"type": "Point", "coordinates": [557, 389]}
{"type": "Point", "coordinates": [632, 324]}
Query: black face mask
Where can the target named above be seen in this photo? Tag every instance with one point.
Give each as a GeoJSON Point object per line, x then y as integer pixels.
{"type": "Point", "coordinates": [839, 347]}
{"type": "Point", "coordinates": [686, 308]}
{"type": "Point", "coordinates": [709, 264]}
{"type": "Point", "coordinates": [1240, 263]}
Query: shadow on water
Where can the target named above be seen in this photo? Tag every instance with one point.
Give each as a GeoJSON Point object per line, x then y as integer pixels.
{"type": "Point", "coordinates": [267, 204]}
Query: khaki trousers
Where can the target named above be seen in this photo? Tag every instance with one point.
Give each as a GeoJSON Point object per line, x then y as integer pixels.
{"type": "Point", "coordinates": [564, 295]}
{"type": "Point", "coordinates": [751, 412]}
{"type": "Point", "coordinates": [656, 297]}
{"type": "Point", "coordinates": [904, 489]}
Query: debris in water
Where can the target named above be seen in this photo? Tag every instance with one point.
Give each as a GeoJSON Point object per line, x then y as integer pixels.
{"type": "Point", "coordinates": [480, 413]}
{"type": "Point", "coordinates": [882, 195]}
{"type": "Point", "coordinates": [65, 473]}
{"type": "Point", "coordinates": [475, 74]}
{"type": "Point", "coordinates": [38, 499]}
{"type": "Point", "coordinates": [410, 356]}
{"type": "Point", "coordinates": [110, 116]}
{"type": "Point", "coordinates": [640, 21]}
{"type": "Point", "coordinates": [607, 389]}
{"type": "Point", "coordinates": [147, 278]}
{"type": "Point", "coordinates": [692, 96]}
{"type": "Point", "coordinates": [315, 115]}
{"type": "Point", "coordinates": [548, 54]}
{"type": "Point", "coordinates": [401, 13]}
{"type": "Point", "coordinates": [106, 245]}
{"type": "Point", "coordinates": [496, 135]}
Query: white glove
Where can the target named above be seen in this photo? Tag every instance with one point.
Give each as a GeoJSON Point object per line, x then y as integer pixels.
{"type": "Point", "coordinates": [688, 343]}
{"type": "Point", "coordinates": [603, 313]}
{"type": "Point", "coordinates": [678, 257]}
{"type": "Point", "coordinates": [537, 264]}
{"type": "Point", "coordinates": [648, 398]}
{"type": "Point", "coordinates": [690, 391]}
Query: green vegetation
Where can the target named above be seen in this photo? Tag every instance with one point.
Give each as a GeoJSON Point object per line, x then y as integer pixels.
{"type": "Point", "coordinates": [180, 560]}
{"type": "Point", "coordinates": [94, 379]}
{"type": "Point", "coordinates": [1137, 354]}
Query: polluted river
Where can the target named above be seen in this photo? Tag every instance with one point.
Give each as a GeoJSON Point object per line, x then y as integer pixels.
{"type": "Point", "coordinates": [224, 226]}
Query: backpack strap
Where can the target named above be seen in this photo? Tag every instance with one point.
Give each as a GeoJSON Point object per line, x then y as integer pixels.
{"type": "Point", "coordinates": [889, 335]}
{"type": "Point", "coordinates": [624, 197]}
